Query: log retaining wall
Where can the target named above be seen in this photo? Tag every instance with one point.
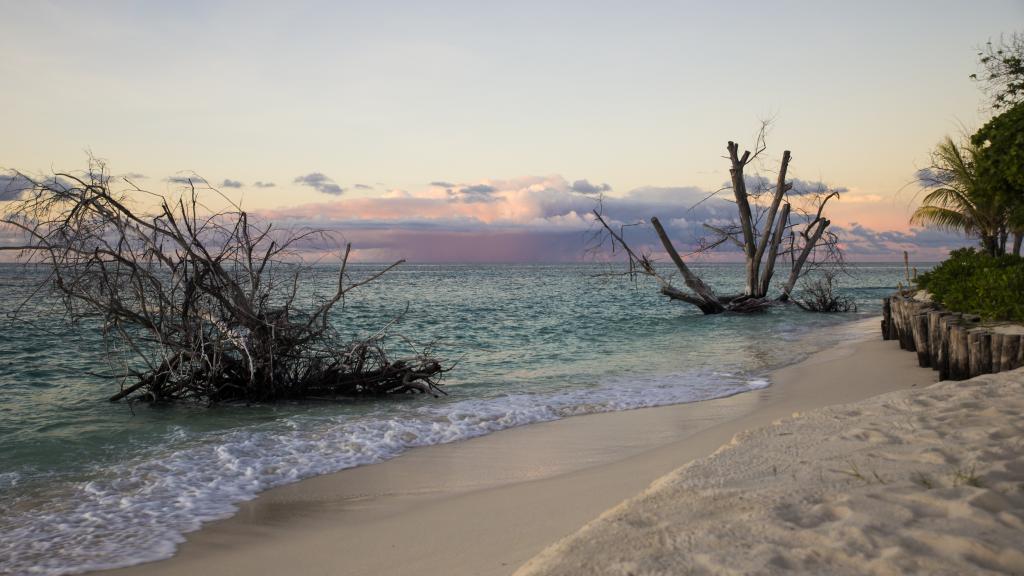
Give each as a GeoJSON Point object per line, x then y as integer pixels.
{"type": "Point", "coordinates": [957, 345]}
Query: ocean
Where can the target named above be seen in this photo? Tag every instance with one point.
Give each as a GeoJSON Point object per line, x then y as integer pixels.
{"type": "Point", "coordinates": [86, 484]}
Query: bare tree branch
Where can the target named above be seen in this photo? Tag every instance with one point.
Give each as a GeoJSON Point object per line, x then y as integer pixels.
{"type": "Point", "coordinates": [203, 302]}
{"type": "Point", "coordinates": [766, 230]}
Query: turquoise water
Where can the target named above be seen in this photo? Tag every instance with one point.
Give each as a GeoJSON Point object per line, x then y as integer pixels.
{"type": "Point", "coordinates": [85, 484]}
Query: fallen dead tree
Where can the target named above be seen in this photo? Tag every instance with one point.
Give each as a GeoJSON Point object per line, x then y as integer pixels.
{"type": "Point", "coordinates": [773, 223]}
{"type": "Point", "coordinates": [199, 304]}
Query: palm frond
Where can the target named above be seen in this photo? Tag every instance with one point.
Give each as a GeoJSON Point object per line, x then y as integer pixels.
{"type": "Point", "coordinates": [957, 198]}
{"type": "Point", "coordinates": [942, 218]}
{"type": "Point", "coordinates": [948, 198]}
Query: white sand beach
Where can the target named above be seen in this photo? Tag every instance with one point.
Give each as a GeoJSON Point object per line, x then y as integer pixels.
{"type": "Point", "coordinates": [921, 481]}
{"type": "Point", "coordinates": [488, 505]}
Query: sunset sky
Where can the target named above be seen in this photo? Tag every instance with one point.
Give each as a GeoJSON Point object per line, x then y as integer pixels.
{"type": "Point", "coordinates": [484, 131]}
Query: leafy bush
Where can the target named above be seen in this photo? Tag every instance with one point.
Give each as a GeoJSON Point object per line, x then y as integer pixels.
{"type": "Point", "coordinates": [977, 283]}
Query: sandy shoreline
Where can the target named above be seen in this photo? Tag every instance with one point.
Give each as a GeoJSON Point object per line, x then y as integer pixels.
{"type": "Point", "coordinates": [487, 505]}
{"type": "Point", "coordinates": [922, 481]}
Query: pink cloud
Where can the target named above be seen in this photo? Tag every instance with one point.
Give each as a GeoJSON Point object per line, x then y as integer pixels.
{"type": "Point", "coordinates": [547, 219]}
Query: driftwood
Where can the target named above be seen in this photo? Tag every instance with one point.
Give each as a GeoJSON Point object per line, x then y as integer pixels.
{"type": "Point", "coordinates": [769, 227]}
{"type": "Point", "coordinates": [201, 304]}
{"type": "Point", "coordinates": [957, 345]}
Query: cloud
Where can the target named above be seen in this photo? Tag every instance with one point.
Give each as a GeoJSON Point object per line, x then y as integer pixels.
{"type": "Point", "coordinates": [548, 219]}
{"type": "Point", "coordinates": [229, 183]}
{"type": "Point", "coordinates": [815, 187]}
{"type": "Point", "coordinates": [484, 189]}
{"type": "Point", "coordinates": [536, 218]}
{"type": "Point", "coordinates": [934, 177]}
{"type": "Point", "coordinates": [320, 183]}
{"type": "Point", "coordinates": [13, 185]}
{"type": "Point", "coordinates": [585, 187]}
{"type": "Point", "coordinates": [260, 184]}
{"type": "Point", "coordinates": [186, 180]}
{"type": "Point", "coordinates": [923, 244]}
{"type": "Point", "coordinates": [474, 194]}
{"type": "Point", "coordinates": [442, 184]}
{"type": "Point", "coordinates": [760, 183]}
{"type": "Point", "coordinates": [362, 187]}
{"type": "Point", "coordinates": [134, 176]}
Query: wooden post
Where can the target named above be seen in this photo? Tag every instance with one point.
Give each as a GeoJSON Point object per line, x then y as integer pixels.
{"type": "Point", "coordinates": [919, 331]}
{"type": "Point", "coordinates": [906, 325]}
{"type": "Point", "coordinates": [997, 353]}
{"type": "Point", "coordinates": [951, 356]}
{"type": "Point", "coordinates": [893, 320]}
{"type": "Point", "coordinates": [936, 335]}
{"type": "Point", "coordinates": [886, 317]}
{"type": "Point", "coordinates": [895, 303]}
{"type": "Point", "coordinates": [897, 318]}
{"type": "Point", "coordinates": [942, 349]}
{"type": "Point", "coordinates": [960, 366]}
{"type": "Point", "coordinates": [1008, 354]}
{"type": "Point", "coordinates": [980, 353]}
{"type": "Point", "coordinates": [933, 338]}
{"type": "Point", "coordinates": [949, 343]}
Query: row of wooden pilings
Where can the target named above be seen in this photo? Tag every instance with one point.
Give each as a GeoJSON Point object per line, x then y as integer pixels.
{"type": "Point", "coordinates": [958, 345]}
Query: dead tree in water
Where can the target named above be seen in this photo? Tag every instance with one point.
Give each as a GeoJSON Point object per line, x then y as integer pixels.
{"type": "Point", "coordinates": [202, 304]}
{"type": "Point", "coordinates": [774, 222]}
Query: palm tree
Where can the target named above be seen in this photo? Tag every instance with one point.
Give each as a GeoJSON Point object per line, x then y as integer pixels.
{"type": "Point", "coordinates": [957, 199]}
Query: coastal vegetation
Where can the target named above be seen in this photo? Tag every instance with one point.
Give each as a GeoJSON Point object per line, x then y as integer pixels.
{"type": "Point", "coordinates": [975, 282]}
{"type": "Point", "coordinates": [197, 303]}
{"type": "Point", "coordinates": [1002, 71]}
{"type": "Point", "coordinates": [773, 223]}
{"type": "Point", "coordinates": [976, 186]}
{"type": "Point", "coordinates": [958, 198]}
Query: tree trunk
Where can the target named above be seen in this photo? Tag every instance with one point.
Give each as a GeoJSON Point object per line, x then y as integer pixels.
{"type": "Point", "coordinates": [739, 189]}
{"type": "Point", "coordinates": [761, 288]}
{"type": "Point", "coordinates": [990, 244]}
{"type": "Point", "coordinates": [711, 303]}
{"type": "Point", "coordinates": [1017, 237]}
{"type": "Point", "coordinates": [773, 254]}
{"type": "Point", "coordinates": [809, 246]}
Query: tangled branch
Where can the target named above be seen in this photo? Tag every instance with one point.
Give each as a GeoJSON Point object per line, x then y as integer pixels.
{"type": "Point", "coordinates": [202, 303]}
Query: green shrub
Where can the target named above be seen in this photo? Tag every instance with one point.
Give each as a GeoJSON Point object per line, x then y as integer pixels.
{"type": "Point", "coordinates": [977, 283]}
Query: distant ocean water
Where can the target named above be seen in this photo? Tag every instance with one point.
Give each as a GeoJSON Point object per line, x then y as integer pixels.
{"type": "Point", "coordinates": [85, 484]}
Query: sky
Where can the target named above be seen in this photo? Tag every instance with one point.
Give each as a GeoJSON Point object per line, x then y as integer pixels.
{"type": "Point", "coordinates": [484, 131]}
